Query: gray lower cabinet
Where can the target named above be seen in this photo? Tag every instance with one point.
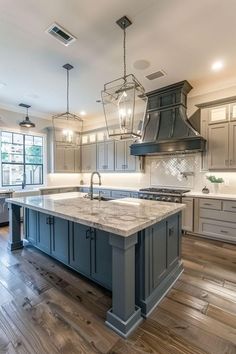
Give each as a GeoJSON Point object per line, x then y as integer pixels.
{"type": "Point", "coordinates": [44, 232]}
{"type": "Point", "coordinates": [101, 258]}
{"type": "Point", "coordinates": [60, 239]}
{"type": "Point", "coordinates": [89, 155]}
{"type": "Point", "coordinates": [157, 259]}
{"type": "Point", "coordinates": [83, 248]}
{"type": "Point", "coordinates": [30, 224]}
{"type": "Point", "coordinates": [80, 248]}
{"type": "Point", "coordinates": [91, 254]}
{"type": "Point", "coordinates": [105, 156]}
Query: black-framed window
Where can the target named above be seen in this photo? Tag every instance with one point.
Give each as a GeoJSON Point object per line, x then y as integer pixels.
{"type": "Point", "coordinates": [21, 159]}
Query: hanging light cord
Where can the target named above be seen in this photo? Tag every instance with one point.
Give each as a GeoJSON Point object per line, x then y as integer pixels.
{"type": "Point", "coordinates": [27, 109]}
{"type": "Point", "coordinates": [67, 91]}
{"type": "Point", "coordinates": [124, 47]}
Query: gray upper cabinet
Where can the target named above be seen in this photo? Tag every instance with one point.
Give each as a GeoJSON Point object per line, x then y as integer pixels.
{"type": "Point", "coordinates": [62, 158]}
{"type": "Point", "coordinates": [123, 160]}
{"type": "Point", "coordinates": [232, 144]}
{"type": "Point", "coordinates": [89, 155]}
{"type": "Point", "coordinates": [105, 156]}
{"type": "Point", "coordinates": [218, 146]}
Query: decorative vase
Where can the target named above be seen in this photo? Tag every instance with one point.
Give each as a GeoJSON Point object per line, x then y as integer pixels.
{"type": "Point", "coordinates": [216, 187]}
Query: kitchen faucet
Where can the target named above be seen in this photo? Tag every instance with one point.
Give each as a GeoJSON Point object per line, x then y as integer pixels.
{"type": "Point", "coordinates": [92, 183]}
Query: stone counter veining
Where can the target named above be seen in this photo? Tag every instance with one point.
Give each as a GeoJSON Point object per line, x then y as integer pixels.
{"type": "Point", "coordinates": [123, 217]}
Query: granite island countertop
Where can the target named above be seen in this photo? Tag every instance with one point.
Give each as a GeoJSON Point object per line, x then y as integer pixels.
{"type": "Point", "coordinates": [123, 217]}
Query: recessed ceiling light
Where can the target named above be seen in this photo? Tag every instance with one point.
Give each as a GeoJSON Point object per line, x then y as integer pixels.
{"type": "Point", "coordinates": [82, 113]}
{"type": "Point", "coordinates": [217, 65]}
{"type": "Point", "coordinates": [2, 85]}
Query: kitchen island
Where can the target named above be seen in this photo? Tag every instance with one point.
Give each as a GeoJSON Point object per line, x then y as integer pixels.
{"type": "Point", "coordinates": [130, 246]}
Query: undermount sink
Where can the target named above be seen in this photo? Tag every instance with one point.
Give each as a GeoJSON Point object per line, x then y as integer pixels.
{"type": "Point", "coordinates": [98, 197]}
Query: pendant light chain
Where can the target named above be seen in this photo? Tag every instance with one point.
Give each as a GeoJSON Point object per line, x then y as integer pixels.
{"type": "Point", "coordinates": [124, 47]}
{"type": "Point", "coordinates": [67, 91]}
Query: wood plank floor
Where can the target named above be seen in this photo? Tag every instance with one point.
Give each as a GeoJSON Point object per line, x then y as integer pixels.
{"type": "Point", "coordinates": [46, 308]}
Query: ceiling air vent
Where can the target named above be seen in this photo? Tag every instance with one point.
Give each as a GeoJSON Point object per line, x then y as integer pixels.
{"type": "Point", "coordinates": [61, 34]}
{"type": "Point", "coordinates": [156, 75]}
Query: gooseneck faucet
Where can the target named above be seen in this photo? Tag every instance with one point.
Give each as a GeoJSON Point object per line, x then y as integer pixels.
{"type": "Point", "coordinates": [92, 183]}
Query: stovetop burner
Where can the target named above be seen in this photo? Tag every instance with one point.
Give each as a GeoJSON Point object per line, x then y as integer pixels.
{"type": "Point", "coordinates": [164, 190]}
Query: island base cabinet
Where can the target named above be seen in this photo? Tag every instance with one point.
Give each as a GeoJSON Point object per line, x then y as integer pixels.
{"type": "Point", "coordinates": [80, 248]}
{"type": "Point", "coordinates": [158, 262]}
{"type": "Point", "coordinates": [91, 254]}
{"type": "Point", "coordinates": [101, 256]}
{"type": "Point", "coordinates": [44, 232]}
{"type": "Point", "coordinates": [60, 239]}
{"type": "Point", "coordinates": [30, 224]}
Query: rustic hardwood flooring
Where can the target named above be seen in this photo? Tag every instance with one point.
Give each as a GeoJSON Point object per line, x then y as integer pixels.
{"type": "Point", "coordinates": [46, 308]}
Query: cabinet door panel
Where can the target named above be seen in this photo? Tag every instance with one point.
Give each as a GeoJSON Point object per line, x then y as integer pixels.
{"type": "Point", "coordinates": [110, 154]}
{"type": "Point", "coordinates": [119, 155]}
{"type": "Point", "coordinates": [60, 239]}
{"type": "Point", "coordinates": [80, 248]}
{"type": "Point", "coordinates": [69, 164]}
{"type": "Point", "coordinates": [31, 225]}
{"type": "Point", "coordinates": [88, 153]}
{"type": "Point", "coordinates": [59, 161]}
{"type": "Point", "coordinates": [172, 240]}
{"type": "Point", "coordinates": [44, 234]}
{"type": "Point", "coordinates": [159, 252]}
{"type": "Point", "coordinates": [187, 219]}
{"type": "Point", "coordinates": [101, 163]}
{"type": "Point", "coordinates": [77, 160]}
{"type": "Point", "coordinates": [218, 154]}
{"type": "Point", "coordinates": [232, 145]}
{"type": "Point", "coordinates": [130, 159]}
{"type": "Point", "coordinates": [101, 258]}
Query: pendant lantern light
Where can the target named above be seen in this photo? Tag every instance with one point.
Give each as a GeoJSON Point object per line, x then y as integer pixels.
{"type": "Point", "coordinates": [26, 123]}
{"type": "Point", "coordinates": [124, 100]}
{"type": "Point", "coordinates": [67, 127]}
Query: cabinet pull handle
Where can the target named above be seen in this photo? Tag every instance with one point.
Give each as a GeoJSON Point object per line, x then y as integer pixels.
{"type": "Point", "coordinates": [208, 204]}
{"type": "Point", "coordinates": [171, 231]}
{"type": "Point", "coordinates": [88, 234]}
{"type": "Point", "coordinates": [224, 231]}
{"type": "Point", "coordinates": [233, 207]}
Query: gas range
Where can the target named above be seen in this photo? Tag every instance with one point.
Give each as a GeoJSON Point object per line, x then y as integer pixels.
{"type": "Point", "coordinates": [162, 194]}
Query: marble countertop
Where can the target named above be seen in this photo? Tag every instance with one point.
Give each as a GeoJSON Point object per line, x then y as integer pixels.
{"type": "Point", "coordinates": [121, 216]}
{"type": "Point", "coordinates": [132, 189]}
{"type": "Point", "coordinates": [195, 194]}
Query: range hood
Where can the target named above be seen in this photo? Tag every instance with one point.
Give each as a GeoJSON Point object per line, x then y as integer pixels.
{"type": "Point", "coordinates": [167, 129]}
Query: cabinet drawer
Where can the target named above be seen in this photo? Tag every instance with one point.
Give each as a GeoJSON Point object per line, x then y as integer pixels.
{"type": "Point", "coordinates": [217, 229]}
{"type": "Point", "coordinates": [229, 205]}
{"type": "Point", "coordinates": [220, 215]}
{"type": "Point", "coordinates": [210, 204]}
{"type": "Point", "coordinates": [120, 194]}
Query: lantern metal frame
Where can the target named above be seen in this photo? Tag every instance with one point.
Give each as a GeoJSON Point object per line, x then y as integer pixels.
{"type": "Point", "coordinates": [112, 94]}
{"type": "Point", "coordinates": [67, 118]}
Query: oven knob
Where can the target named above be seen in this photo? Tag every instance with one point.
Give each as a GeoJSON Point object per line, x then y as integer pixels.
{"type": "Point", "coordinates": [176, 200]}
{"type": "Point", "coordinates": [169, 199]}
{"type": "Point", "coordinates": [163, 198]}
{"type": "Point", "coordinates": [157, 198]}
{"type": "Point", "coordinates": [151, 197]}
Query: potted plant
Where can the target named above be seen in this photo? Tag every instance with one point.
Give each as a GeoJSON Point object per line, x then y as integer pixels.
{"type": "Point", "coordinates": [215, 181]}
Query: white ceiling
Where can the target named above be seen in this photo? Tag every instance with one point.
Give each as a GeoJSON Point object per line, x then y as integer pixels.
{"type": "Point", "coordinates": [182, 37]}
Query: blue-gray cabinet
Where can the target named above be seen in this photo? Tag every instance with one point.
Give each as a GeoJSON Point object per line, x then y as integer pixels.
{"type": "Point", "coordinates": [60, 239]}
{"type": "Point", "coordinates": [44, 232]}
{"type": "Point", "coordinates": [30, 225]}
{"type": "Point", "coordinates": [157, 261]}
{"type": "Point", "coordinates": [83, 248]}
{"type": "Point", "coordinates": [101, 258]}
{"type": "Point", "coordinates": [80, 248]}
{"type": "Point", "coordinates": [90, 253]}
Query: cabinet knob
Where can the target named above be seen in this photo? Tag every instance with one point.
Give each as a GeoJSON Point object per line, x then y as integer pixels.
{"type": "Point", "coordinates": [87, 234]}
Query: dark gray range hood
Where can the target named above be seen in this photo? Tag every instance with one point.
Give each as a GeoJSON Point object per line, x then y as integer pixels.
{"type": "Point", "coordinates": [167, 129]}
